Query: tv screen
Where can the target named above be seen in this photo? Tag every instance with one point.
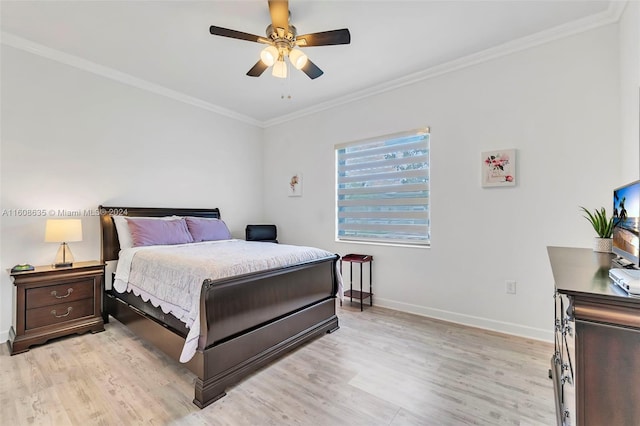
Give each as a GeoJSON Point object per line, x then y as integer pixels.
{"type": "Point", "coordinates": [626, 214]}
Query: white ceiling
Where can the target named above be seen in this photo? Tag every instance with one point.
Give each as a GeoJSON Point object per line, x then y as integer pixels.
{"type": "Point", "coordinates": [165, 46]}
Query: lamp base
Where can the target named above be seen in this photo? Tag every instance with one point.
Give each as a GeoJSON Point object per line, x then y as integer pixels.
{"type": "Point", "coordinates": [64, 258]}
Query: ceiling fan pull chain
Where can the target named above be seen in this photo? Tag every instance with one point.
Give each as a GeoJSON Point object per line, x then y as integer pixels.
{"type": "Point", "coordinates": [287, 83]}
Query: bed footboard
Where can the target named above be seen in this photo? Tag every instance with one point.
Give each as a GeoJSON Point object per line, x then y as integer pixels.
{"type": "Point", "coordinates": [237, 305]}
{"type": "Point", "coordinates": [253, 319]}
{"type": "Point", "coordinates": [231, 361]}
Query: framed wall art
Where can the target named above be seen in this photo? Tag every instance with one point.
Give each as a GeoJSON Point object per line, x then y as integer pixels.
{"type": "Point", "coordinates": [295, 185]}
{"type": "Point", "coordinates": [499, 168]}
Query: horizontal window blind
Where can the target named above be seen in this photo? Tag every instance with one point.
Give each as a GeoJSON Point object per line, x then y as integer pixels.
{"type": "Point", "coordinates": [383, 189]}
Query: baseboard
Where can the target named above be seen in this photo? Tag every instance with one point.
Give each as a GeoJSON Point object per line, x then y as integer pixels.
{"type": "Point", "coordinates": [470, 320]}
{"type": "Point", "coordinates": [473, 321]}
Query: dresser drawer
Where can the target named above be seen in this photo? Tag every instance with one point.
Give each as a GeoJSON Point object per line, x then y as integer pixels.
{"type": "Point", "coordinates": [55, 314]}
{"type": "Point", "coordinates": [62, 293]}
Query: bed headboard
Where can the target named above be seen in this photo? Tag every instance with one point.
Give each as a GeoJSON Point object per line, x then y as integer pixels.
{"type": "Point", "coordinates": [110, 247]}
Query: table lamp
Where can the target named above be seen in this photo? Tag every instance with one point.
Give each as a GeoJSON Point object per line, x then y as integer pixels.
{"type": "Point", "coordinates": [63, 231]}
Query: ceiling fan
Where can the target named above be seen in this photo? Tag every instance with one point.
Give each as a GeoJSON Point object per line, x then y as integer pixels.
{"type": "Point", "coordinates": [283, 42]}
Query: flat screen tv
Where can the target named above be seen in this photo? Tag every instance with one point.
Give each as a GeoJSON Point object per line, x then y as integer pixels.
{"type": "Point", "coordinates": [626, 218]}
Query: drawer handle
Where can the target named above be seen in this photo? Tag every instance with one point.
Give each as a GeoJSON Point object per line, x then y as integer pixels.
{"type": "Point", "coordinates": [567, 330]}
{"type": "Point", "coordinates": [53, 312]}
{"type": "Point", "coordinates": [54, 293]}
{"type": "Point", "coordinates": [558, 325]}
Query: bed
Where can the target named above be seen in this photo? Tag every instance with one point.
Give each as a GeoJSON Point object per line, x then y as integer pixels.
{"type": "Point", "coordinates": [245, 321]}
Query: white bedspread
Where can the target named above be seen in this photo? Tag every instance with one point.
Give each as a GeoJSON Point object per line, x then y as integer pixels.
{"type": "Point", "coordinates": [171, 277]}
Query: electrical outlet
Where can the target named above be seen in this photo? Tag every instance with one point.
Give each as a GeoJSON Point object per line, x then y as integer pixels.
{"type": "Point", "coordinates": [510, 286]}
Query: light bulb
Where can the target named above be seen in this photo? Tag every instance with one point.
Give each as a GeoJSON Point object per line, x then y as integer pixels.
{"type": "Point", "coordinates": [269, 55]}
{"type": "Point", "coordinates": [297, 58]}
{"type": "Point", "coordinates": [280, 69]}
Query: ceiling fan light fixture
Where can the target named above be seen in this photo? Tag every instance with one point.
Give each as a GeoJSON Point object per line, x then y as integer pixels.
{"type": "Point", "coordinates": [281, 40]}
{"type": "Point", "coordinates": [269, 55]}
{"type": "Point", "coordinates": [297, 58]}
{"type": "Point", "coordinates": [280, 69]}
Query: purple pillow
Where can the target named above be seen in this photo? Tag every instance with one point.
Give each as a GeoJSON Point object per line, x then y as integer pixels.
{"type": "Point", "coordinates": [151, 232]}
{"type": "Point", "coordinates": [205, 229]}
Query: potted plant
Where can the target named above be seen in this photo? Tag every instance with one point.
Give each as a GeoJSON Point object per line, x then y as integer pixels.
{"type": "Point", "coordinates": [603, 227]}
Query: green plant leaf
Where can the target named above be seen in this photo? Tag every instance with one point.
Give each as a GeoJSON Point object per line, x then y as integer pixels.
{"type": "Point", "coordinates": [601, 224]}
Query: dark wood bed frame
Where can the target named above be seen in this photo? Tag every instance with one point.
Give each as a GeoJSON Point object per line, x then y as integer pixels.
{"type": "Point", "coordinates": [245, 321]}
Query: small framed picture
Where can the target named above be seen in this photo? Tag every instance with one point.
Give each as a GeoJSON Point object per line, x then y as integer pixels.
{"type": "Point", "coordinates": [295, 185]}
{"type": "Point", "coordinates": [499, 168]}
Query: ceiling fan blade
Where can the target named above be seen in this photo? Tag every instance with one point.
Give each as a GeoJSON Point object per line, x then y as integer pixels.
{"type": "Point", "coordinates": [312, 70]}
{"type": "Point", "coordinates": [225, 32]}
{"type": "Point", "coordinates": [325, 38]}
{"type": "Point", "coordinates": [257, 69]}
{"type": "Point", "coordinates": [279, 10]}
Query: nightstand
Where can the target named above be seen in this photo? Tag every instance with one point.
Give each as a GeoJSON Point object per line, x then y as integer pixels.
{"type": "Point", "coordinates": [54, 302]}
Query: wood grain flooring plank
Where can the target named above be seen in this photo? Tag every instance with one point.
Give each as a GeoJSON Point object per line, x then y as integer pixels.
{"type": "Point", "coordinates": [381, 368]}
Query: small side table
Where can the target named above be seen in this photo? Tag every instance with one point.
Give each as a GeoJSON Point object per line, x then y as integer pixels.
{"type": "Point", "coordinates": [355, 294]}
{"type": "Point", "coordinates": [53, 302]}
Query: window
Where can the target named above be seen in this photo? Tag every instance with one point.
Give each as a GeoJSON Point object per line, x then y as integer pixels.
{"type": "Point", "coordinates": [383, 189]}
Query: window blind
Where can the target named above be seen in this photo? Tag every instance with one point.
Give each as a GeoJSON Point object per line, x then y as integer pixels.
{"type": "Point", "coordinates": [383, 189]}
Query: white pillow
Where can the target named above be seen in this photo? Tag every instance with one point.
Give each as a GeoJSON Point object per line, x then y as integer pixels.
{"type": "Point", "coordinates": [124, 234]}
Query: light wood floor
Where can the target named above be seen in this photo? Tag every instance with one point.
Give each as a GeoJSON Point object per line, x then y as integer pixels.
{"type": "Point", "coordinates": [381, 368]}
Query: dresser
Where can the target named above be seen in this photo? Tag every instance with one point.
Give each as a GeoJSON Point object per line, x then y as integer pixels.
{"type": "Point", "coordinates": [54, 302]}
{"type": "Point", "coordinates": [596, 362]}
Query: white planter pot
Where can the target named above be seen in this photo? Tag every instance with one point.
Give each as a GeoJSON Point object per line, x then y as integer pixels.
{"type": "Point", "coordinates": [602, 245]}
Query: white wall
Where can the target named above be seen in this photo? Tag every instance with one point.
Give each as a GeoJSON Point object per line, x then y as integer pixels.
{"type": "Point", "coordinates": [630, 91]}
{"type": "Point", "coordinates": [73, 140]}
{"type": "Point", "coordinates": [557, 104]}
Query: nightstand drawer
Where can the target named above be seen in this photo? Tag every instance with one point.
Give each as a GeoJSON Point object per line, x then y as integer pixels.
{"type": "Point", "coordinates": [62, 293]}
{"type": "Point", "coordinates": [55, 314]}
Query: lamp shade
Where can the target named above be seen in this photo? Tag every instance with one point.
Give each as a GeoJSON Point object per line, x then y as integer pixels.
{"type": "Point", "coordinates": [63, 230]}
{"type": "Point", "coordinates": [280, 69]}
{"type": "Point", "coordinates": [297, 58]}
{"type": "Point", "coordinates": [269, 55]}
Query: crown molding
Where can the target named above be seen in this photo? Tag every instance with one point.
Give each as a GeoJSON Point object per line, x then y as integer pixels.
{"type": "Point", "coordinates": [609, 16]}
{"type": "Point", "coordinates": [17, 42]}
